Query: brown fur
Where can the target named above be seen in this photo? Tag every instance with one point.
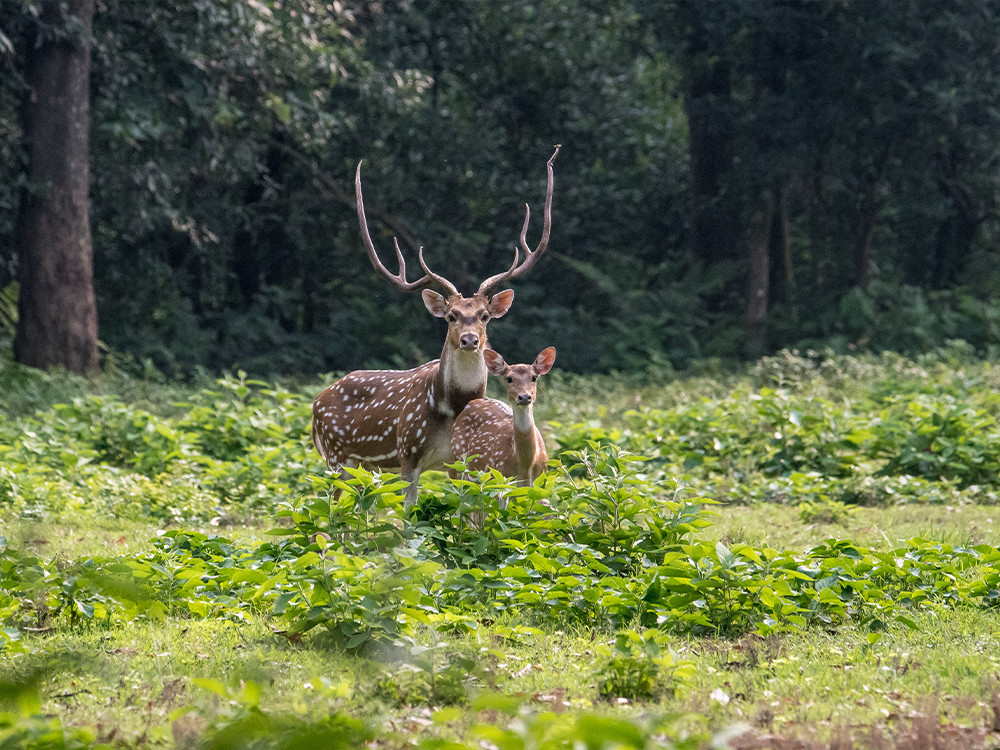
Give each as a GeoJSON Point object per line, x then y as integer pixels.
{"type": "Point", "coordinates": [401, 420]}
{"type": "Point", "coordinates": [495, 436]}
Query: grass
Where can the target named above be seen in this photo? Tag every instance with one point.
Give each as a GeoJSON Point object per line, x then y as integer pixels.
{"type": "Point", "coordinates": [174, 678]}
{"type": "Point", "coordinates": [783, 526]}
{"type": "Point", "coordinates": [827, 683]}
{"type": "Point", "coordinates": [79, 534]}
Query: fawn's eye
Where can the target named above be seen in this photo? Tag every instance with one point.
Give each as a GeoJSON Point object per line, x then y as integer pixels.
{"type": "Point", "coordinates": [534, 378]}
{"type": "Point", "coordinates": [510, 380]}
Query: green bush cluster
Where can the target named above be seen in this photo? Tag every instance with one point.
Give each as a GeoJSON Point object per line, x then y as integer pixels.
{"type": "Point", "coordinates": [773, 431]}
{"type": "Point", "coordinates": [602, 555]}
{"type": "Point", "coordinates": [228, 448]}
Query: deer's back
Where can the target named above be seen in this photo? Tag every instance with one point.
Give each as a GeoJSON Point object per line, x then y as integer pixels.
{"type": "Point", "coordinates": [362, 416]}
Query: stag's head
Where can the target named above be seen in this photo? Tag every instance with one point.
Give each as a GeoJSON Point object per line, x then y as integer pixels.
{"type": "Point", "coordinates": [466, 316]}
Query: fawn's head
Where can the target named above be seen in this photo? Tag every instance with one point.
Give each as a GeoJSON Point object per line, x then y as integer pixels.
{"type": "Point", "coordinates": [521, 380]}
{"type": "Point", "coordinates": [466, 316]}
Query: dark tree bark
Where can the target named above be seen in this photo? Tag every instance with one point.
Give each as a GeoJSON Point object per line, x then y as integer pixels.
{"type": "Point", "coordinates": [57, 309]}
{"type": "Point", "coordinates": [870, 206]}
{"type": "Point", "coordinates": [782, 239]}
{"type": "Point", "coordinates": [699, 31]}
{"type": "Point", "coordinates": [760, 272]}
{"type": "Point", "coordinates": [952, 248]}
{"type": "Point", "coordinates": [863, 234]}
{"type": "Point", "coordinates": [956, 233]}
{"type": "Point", "coordinates": [260, 255]}
{"type": "Point", "coordinates": [714, 217]}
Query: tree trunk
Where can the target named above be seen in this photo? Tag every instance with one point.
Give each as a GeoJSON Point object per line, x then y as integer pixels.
{"type": "Point", "coordinates": [783, 239]}
{"type": "Point", "coordinates": [57, 309]}
{"type": "Point", "coordinates": [956, 233]}
{"type": "Point", "coordinates": [713, 222]}
{"type": "Point", "coordinates": [870, 206]}
{"type": "Point", "coordinates": [760, 269]}
{"type": "Point", "coordinates": [863, 234]}
{"type": "Point", "coordinates": [260, 254]}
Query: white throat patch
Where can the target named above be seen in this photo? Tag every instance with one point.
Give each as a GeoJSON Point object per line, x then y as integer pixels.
{"type": "Point", "coordinates": [524, 418]}
{"type": "Point", "coordinates": [464, 372]}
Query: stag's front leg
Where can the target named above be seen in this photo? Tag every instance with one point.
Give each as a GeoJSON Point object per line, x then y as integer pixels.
{"type": "Point", "coordinates": [411, 475]}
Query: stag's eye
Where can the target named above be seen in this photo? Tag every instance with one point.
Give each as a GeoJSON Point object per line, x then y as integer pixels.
{"type": "Point", "coordinates": [451, 317]}
{"type": "Point", "coordinates": [484, 316]}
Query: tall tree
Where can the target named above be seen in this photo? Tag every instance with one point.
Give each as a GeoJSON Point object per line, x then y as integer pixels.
{"type": "Point", "coordinates": [57, 309]}
{"type": "Point", "coordinates": [708, 100]}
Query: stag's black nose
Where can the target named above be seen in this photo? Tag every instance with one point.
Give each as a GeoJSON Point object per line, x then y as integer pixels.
{"type": "Point", "coordinates": [469, 341]}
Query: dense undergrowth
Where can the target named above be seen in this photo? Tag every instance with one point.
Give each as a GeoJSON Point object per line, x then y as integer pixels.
{"type": "Point", "coordinates": [610, 542]}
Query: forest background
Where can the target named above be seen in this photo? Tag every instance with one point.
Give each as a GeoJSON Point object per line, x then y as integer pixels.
{"type": "Point", "coordinates": [736, 177]}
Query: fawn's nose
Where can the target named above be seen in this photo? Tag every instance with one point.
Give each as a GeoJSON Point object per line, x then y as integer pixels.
{"type": "Point", "coordinates": [469, 341]}
{"type": "Point", "coordinates": [523, 399]}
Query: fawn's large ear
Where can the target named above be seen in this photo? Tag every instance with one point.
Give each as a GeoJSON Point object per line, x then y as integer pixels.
{"type": "Point", "coordinates": [500, 303]}
{"type": "Point", "coordinates": [434, 303]}
{"type": "Point", "coordinates": [494, 362]}
{"type": "Point", "coordinates": [544, 361]}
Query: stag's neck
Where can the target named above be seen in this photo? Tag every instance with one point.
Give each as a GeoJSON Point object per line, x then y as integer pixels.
{"type": "Point", "coordinates": [525, 447]}
{"type": "Point", "coordinates": [461, 377]}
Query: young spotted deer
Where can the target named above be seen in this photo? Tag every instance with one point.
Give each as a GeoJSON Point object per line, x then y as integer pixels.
{"type": "Point", "coordinates": [401, 420]}
{"type": "Point", "coordinates": [497, 436]}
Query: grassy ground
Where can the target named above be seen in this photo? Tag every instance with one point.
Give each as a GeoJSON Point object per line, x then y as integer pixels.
{"type": "Point", "coordinates": [791, 527]}
{"type": "Point", "coordinates": [819, 685]}
{"type": "Point", "coordinates": [131, 681]}
{"type": "Point", "coordinates": [174, 679]}
{"type": "Point", "coordinates": [79, 533]}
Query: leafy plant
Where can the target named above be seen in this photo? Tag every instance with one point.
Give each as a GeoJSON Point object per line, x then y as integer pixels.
{"type": "Point", "coordinates": [435, 675]}
{"type": "Point", "coordinates": [825, 510]}
{"type": "Point", "coordinates": [638, 669]}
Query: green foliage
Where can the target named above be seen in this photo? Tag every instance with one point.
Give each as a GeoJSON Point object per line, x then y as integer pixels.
{"type": "Point", "coordinates": [435, 675]}
{"type": "Point", "coordinates": [244, 723]}
{"type": "Point", "coordinates": [217, 450]}
{"type": "Point", "coordinates": [855, 438]}
{"type": "Point", "coordinates": [638, 669]}
{"type": "Point", "coordinates": [557, 570]}
{"type": "Point", "coordinates": [226, 133]}
{"type": "Point", "coordinates": [825, 510]}
{"type": "Point", "coordinates": [615, 542]}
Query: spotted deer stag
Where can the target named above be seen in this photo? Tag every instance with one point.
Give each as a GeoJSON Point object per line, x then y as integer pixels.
{"type": "Point", "coordinates": [401, 420]}
{"type": "Point", "coordinates": [497, 436]}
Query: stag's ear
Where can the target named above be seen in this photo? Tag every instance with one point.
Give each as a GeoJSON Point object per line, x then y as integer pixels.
{"type": "Point", "coordinates": [500, 303]}
{"type": "Point", "coordinates": [544, 361]}
{"type": "Point", "coordinates": [434, 303]}
{"type": "Point", "coordinates": [494, 363]}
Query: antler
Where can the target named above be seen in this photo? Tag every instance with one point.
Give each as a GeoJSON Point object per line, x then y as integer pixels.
{"type": "Point", "coordinates": [434, 277]}
{"type": "Point", "coordinates": [530, 256]}
{"type": "Point", "coordinates": [398, 280]}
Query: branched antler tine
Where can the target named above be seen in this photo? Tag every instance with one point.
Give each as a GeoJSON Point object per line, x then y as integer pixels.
{"type": "Point", "coordinates": [398, 280]}
{"type": "Point", "coordinates": [530, 256]}
{"type": "Point", "coordinates": [430, 274]}
{"type": "Point", "coordinates": [524, 231]}
{"type": "Point", "coordinates": [492, 281]}
{"type": "Point", "coordinates": [399, 258]}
